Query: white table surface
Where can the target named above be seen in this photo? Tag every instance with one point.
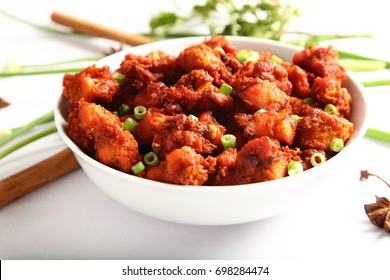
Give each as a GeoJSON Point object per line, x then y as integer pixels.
{"type": "Point", "coordinates": [71, 218]}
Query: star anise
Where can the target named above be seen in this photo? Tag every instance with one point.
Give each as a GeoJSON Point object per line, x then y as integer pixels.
{"type": "Point", "coordinates": [3, 103]}
{"type": "Point", "coordinates": [379, 213]}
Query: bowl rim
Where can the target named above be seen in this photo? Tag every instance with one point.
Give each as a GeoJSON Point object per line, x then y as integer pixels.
{"type": "Point", "coordinates": [61, 122]}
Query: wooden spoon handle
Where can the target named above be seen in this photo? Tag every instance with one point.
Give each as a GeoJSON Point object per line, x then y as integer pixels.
{"type": "Point", "coordinates": [34, 177]}
{"type": "Point", "coordinates": [100, 31]}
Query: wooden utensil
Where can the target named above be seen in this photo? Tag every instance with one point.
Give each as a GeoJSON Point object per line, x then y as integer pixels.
{"type": "Point", "coordinates": [90, 28]}
{"type": "Point", "coordinates": [32, 178]}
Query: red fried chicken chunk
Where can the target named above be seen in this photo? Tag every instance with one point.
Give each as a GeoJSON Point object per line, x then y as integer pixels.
{"type": "Point", "coordinates": [91, 83]}
{"type": "Point", "coordinates": [182, 166]}
{"type": "Point", "coordinates": [316, 129]}
{"type": "Point", "coordinates": [259, 160]}
{"type": "Point", "coordinates": [100, 134]}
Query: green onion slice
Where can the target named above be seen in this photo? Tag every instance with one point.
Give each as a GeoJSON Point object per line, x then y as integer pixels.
{"type": "Point", "coordinates": [138, 168]}
{"type": "Point", "coordinates": [124, 109]}
{"type": "Point", "coordinates": [331, 109]}
{"type": "Point", "coordinates": [308, 100]}
{"type": "Point", "coordinates": [226, 89]}
{"type": "Point", "coordinates": [276, 59]}
{"type": "Point", "coordinates": [228, 141]}
{"type": "Point", "coordinates": [294, 167]}
{"type": "Point", "coordinates": [296, 118]}
{"type": "Point", "coordinates": [120, 78]}
{"type": "Point", "coordinates": [139, 112]}
{"type": "Point", "coordinates": [151, 159]}
{"type": "Point", "coordinates": [336, 145]}
{"type": "Point", "coordinates": [317, 158]}
{"type": "Point", "coordinates": [129, 124]}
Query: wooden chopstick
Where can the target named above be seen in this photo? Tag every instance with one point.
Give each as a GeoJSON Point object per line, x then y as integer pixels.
{"type": "Point", "coordinates": [90, 28]}
{"type": "Point", "coordinates": [34, 177]}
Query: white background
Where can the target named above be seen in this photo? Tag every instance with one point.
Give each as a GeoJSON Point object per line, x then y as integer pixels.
{"type": "Point", "coordinates": [72, 219]}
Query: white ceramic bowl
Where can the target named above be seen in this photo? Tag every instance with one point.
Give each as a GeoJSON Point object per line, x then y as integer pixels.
{"type": "Point", "coordinates": [208, 205]}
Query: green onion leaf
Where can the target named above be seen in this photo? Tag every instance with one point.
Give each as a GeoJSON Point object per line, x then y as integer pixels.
{"type": "Point", "coordinates": [336, 145]}
{"type": "Point", "coordinates": [317, 158]}
{"type": "Point", "coordinates": [124, 109]}
{"type": "Point", "coordinates": [138, 168]}
{"type": "Point", "coordinates": [151, 159]}
{"type": "Point", "coordinates": [294, 167]}
{"type": "Point", "coordinates": [228, 141]}
{"type": "Point", "coordinates": [129, 124]}
{"type": "Point", "coordinates": [330, 109]}
{"type": "Point", "coordinates": [139, 112]}
{"type": "Point", "coordinates": [226, 89]}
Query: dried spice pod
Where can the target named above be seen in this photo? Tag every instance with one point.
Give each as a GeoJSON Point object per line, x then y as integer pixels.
{"type": "Point", "coordinates": [379, 213]}
{"type": "Point", "coordinates": [3, 103]}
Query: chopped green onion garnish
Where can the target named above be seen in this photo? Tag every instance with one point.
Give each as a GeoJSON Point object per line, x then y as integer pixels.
{"type": "Point", "coordinates": [308, 100]}
{"type": "Point", "coordinates": [151, 159]}
{"type": "Point", "coordinates": [193, 117]}
{"type": "Point", "coordinates": [139, 112]}
{"type": "Point", "coordinates": [336, 145]}
{"type": "Point", "coordinates": [330, 109]}
{"type": "Point", "coordinates": [138, 168]}
{"type": "Point", "coordinates": [129, 124]}
{"type": "Point", "coordinates": [124, 109]}
{"type": "Point", "coordinates": [116, 113]}
{"type": "Point", "coordinates": [296, 118]}
{"type": "Point", "coordinates": [253, 56]}
{"type": "Point", "coordinates": [242, 55]}
{"type": "Point", "coordinates": [228, 141]}
{"type": "Point", "coordinates": [221, 50]}
{"type": "Point", "coordinates": [260, 111]}
{"type": "Point", "coordinates": [276, 59]}
{"type": "Point", "coordinates": [226, 89]}
{"type": "Point", "coordinates": [120, 78]}
{"type": "Point", "coordinates": [317, 158]}
{"type": "Point", "coordinates": [294, 167]}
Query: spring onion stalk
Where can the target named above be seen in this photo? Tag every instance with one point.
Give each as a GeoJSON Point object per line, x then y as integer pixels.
{"type": "Point", "coordinates": [378, 134]}
{"type": "Point", "coordinates": [330, 109]}
{"type": "Point", "coordinates": [129, 124]}
{"type": "Point", "coordinates": [27, 141]}
{"type": "Point", "coordinates": [376, 83]}
{"type": "Point", "coordinates": [13, 133]}
{"type": "Point", "coordinates": [151, 159]}
{"type": "Point", "coordinates": [294, 167]}
{"type": "Point", "coordinates": [336, 145]}
{"type": "Point", "coordinates": [139, 112]}
{"type": "Point", "coordinates": [41, 72]}
{"type": "Point", "coordinates": [317, 158]}
{"type": "Point", "coordinates": [138, 168]}
{"type": "Point", "coordinates": [344, 55]}
{"type": "Point", "coordinates": [226, 89]}
{"type": "Point", "coordinates": [359, 65]}
{"type": "Point", "coordinates": [124, 109]}
{"type": "Point", "coordinates": [228, 141]}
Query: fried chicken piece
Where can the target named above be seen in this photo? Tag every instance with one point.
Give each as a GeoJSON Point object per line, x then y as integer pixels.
{"type": "Point", "coordinates": [92, 83]}
{"type": "Point", "coordinates": [273, 72]}
{"type": "Point", "coordinates": [155, 66]}
{"type": "Point", "coordinates": [182, 166]}
{"type": "Point", "coordinates": [100, 133]}
{"type": "Point", "coordinates": [202, 56]}
{"type": "Point", "coordinates": [316, 129]}
{"type": "Point", "coordinates": [259, 160]}
{"type": "Point", "coordinates": [260, 94]}
{"type": "Point", "coordinates": [195, 92]}
{"type": "Point", "coordinates": [277, 125]}
{"type": "Point", "coordinates": [329, 91]}
{"type": "Point", "coordinates": [226, 162]}
{"type": "Point", "coordinates": [321, 61]}
{"type": "Point", "coordinates": [300, 80]}
{"type": "Point", "coordinates": [173, 132]}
